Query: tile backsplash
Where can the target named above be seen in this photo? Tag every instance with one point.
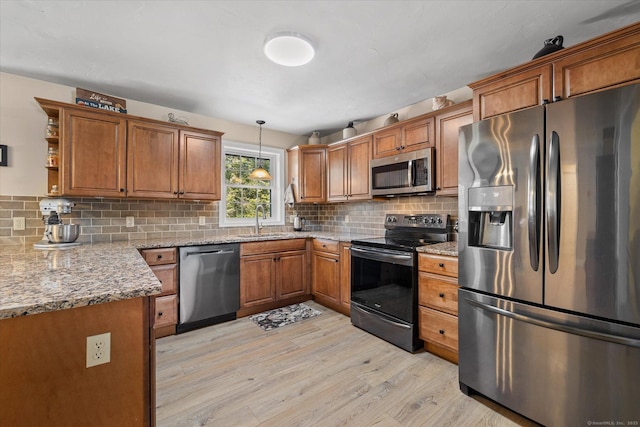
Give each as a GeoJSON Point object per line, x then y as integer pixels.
{"type": "Point", "coordinates": [104, 220]}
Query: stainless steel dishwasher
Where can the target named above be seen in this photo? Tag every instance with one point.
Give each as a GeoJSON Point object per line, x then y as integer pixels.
{"type": "Point", "coordinates": [209, 285]}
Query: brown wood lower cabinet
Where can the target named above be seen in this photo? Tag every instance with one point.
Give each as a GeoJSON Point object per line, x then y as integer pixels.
{"type": "Point", "coordinates": [43, 371]}
{"type": "Point", "coordinates": [165, 312]}
{"type": "Point", "coordinates": [164, 307]}
{"type": "Point", "coordinates": [345, 275]}
{"type": "Point", "coordinates": [438, 304]}
{"type": "Point", "coordinates": [272, 274]}
{"type": "Point", "coordinates": [327, 269]}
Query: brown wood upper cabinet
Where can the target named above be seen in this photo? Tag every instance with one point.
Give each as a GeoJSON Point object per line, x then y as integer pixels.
{"type": "Point", "coordinates": [92, 154]}
{"type": "Point", "coordinates": [348, 170]}
{"type": "Point", "coordinates": [307, 172]}
{"type": "Point", "coordinates": [410, 135]}
{"type": "Point", "coordinates": [447, 126]}
{"type": "Point", "coordinates": [106, 154]}
{"type": "Point", "coordinates": [165, 162]}
{"type": "Point", "coordinates": [603, 62]}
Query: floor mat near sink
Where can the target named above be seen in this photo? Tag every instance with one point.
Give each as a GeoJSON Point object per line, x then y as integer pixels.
{"type": "Point", "coordinates": [272, 319]}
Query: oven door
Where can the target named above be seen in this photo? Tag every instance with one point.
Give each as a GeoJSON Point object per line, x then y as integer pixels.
{"type": "Point", "coordinates": [385, 281]}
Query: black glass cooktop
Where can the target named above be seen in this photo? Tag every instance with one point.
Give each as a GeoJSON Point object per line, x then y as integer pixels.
{"type": "Point", "coordinates": [408, 232]}
{"type": "Point", "coordinates": [394, 243]}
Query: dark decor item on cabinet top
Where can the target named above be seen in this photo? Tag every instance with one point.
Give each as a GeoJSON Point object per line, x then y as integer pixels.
{"type": "Point", "coordinates": [550, 46]}
{"type": "Point", "coordinates": [349, 131]}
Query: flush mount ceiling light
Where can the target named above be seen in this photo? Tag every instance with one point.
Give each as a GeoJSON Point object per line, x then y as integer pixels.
{"type": "Point", "coordinates": [289, 48]}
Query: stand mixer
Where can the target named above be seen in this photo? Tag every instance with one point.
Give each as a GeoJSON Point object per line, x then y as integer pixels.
{"type": "Point", "coordinates": [57, 235]}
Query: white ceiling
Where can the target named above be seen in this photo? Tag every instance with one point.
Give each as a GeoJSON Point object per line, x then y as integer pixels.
{"type": "Point", "coordinates": [205, 57]}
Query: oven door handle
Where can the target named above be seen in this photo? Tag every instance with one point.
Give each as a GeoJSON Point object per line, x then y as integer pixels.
{"type": "Point", "coordinates": [383, 256]}
{"type": "Point", "coordinates": [400, 325]}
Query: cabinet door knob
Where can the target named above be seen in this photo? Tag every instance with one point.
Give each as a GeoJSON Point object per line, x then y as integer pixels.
{"type": "Point", "coordinates": [175, 192]}
{"type": "Point", "coordinates": [441, 331]}
{"type": "Point", "coordinates": [122, 190]}
{"type": "Point", "coordinates": [159, 314]}
{"type": "Point", "coordinates": [441, 295]}
{"type": "Point", "coordinates": [441, 265]}
{"type": "Point", "coordinates": [182, 192]}
{"type": "Point", "coordinates": [159, 256]}
{"type": "Point", "coordinates": [161, 282]}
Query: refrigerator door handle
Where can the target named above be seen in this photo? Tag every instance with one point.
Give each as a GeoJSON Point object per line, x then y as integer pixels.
{"type": "Point", "coordinates": [553, 202]}
{"type": "Point", "coordinates": [533, 211]}
{"type": "Point", "coordinates": [617, 339]}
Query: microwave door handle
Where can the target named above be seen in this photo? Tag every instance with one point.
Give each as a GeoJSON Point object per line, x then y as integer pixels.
{"type": "Point", "coordinates": [410, 173]}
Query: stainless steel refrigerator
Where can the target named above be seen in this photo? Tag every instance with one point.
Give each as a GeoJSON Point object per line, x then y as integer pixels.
{"type": "Point", "coordinates": [549, 259]}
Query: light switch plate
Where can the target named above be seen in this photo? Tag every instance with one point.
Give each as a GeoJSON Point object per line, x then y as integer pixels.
{"type": "Point", "coordinates": [202, 220]}
{"type": "Point", "coordinates": [131, 222]}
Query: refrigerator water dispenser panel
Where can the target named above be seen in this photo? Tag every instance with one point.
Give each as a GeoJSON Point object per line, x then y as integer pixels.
{"type": "Point", "coordinates": [491, 217]}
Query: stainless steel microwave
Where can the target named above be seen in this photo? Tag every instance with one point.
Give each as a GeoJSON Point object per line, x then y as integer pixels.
{"type": "Point", "coordinates": [403, 174]}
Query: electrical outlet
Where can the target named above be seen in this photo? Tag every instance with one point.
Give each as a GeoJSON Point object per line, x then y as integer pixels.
{"type": "Point", "coordinates": [131, 222]}
{"type": "Point", "coordinates": [18, 223]}
{"type": "Point", "coordinates": [98, 349]}
{"type": "Point", "coordinates": [346, 218]}
{"type": "Point", "coordinates": [202, 220]}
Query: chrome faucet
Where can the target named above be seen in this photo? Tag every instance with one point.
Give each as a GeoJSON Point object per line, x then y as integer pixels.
{"type": "Point", "coordinates": [264, 216]}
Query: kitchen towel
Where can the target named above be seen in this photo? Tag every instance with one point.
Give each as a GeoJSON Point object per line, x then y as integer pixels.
{"type": "Point", "coordinates": [289, 198]}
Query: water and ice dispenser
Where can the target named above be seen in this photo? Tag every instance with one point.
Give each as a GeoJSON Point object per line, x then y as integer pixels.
{"type": "Point", "coordinates": [491, 217]}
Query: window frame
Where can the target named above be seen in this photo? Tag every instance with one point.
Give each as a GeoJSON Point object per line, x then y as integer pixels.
{"type": "Point", "coordinates": [276, 158]}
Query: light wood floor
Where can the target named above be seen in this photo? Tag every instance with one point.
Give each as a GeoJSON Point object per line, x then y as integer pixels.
{"type": "Point", "coordinates": [319, 372]}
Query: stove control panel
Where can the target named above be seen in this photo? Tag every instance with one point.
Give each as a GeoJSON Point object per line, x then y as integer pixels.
{"type": "Point", "coordinates": [440, 221]}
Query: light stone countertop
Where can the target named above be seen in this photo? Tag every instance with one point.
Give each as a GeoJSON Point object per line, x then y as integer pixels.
{"type": "Point", "coordinates": [446, 248]}
{"type": "Point", "coordinates": [38, 281]}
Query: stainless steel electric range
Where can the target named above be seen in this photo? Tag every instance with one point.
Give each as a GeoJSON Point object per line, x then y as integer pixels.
{"type": "Point", "coordinates": [384, 276]}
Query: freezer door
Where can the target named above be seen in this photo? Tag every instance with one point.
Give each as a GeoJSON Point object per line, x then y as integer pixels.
{"type": "Point", "coordinates": [593, 204]}
{"type": "Point", "coordinates": [500, 205]}
{"type": "Point", "coordinates": [555, 368]}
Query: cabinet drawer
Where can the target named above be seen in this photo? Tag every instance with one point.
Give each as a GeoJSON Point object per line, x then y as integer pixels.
{"type": "Point", "coordinates": [168, 276]}
{"type": "Point", "coordinates": [263, 247]}
{"type": "Point", "coordinates": [159, 256]}
{"type": "Point", "coordinates": [438, 292]}
{"type": "Point", "coordinates": [322, 245]}
{"type": "Point", "coordinates": [439, 328]}
{"type": "Point", "coordinates": [437, 264]}
{"type": "Point", "coordinates": [166, 311]}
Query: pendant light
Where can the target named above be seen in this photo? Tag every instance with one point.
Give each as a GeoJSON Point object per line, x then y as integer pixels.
{"type": "Point", "coordinates": [259, 172]}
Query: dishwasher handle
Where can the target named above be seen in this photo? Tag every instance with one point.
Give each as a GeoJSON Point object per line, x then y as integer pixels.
{"type": "Point", "coordinates": [215, 252]}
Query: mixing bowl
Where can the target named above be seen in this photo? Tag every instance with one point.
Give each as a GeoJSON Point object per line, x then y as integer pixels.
{"type": "Point", "coordinates": [63, 233]}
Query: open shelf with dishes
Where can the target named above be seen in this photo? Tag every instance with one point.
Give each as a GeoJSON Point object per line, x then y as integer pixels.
{"type": "Point", "coordinates": [52, 162]}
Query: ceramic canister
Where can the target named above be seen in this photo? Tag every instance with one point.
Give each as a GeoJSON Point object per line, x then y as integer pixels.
{"type": "Point", "coordinates": [315, 137]}
{"type": "Point", "coordinates": [349, 131]}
